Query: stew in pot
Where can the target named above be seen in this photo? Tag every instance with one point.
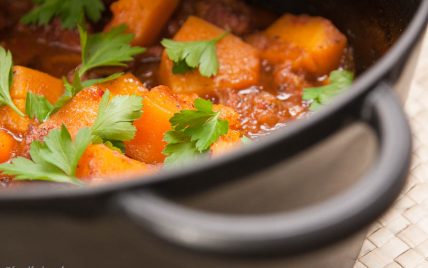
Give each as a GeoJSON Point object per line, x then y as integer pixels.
{"type": "Point", "coordinates": [93, 91]}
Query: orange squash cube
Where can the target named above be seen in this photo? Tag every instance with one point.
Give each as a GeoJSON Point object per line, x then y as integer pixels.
{"type": "Point", "coordinates": [159, 105]}
{"type": "Point", "coordinates": [12, 121]}
{"type": "Point", "coordinates": [81, 111]}
{"type": "Point", "coordinates": [320, 39]}
{"type": "Point", "coordinates": [42, 84]}
{"type": "Point", "coordinates": [101, 162]}
{"type": "Point", "coordinates": [239, 62]}
{"type": "Point", "coordinates": [145, 18]}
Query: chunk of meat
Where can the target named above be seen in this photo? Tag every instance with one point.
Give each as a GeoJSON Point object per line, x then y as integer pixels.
{"type": "Point", "coordinates": [33, 133]}
{"type": "Point", "coordinates": [229, 15]}
{"type": "Point", "coordinates": [100, 164]}
{"type": "Point", "coordinates": [234, 15]}
{"type": "Point", "coordinates": [259, 110]}
{"type": "Point", "coordinates": [145, 18]}
{"type": "Point", "coordinates": [320, 39]}
{"type": "Point", "coordinates": [54, 34]}
{"type": "Point", "coordinates": [239, 62]}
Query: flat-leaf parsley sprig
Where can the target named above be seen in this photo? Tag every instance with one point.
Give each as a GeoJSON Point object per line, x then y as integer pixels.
{"type": "Point", "coordinates": [187, 56]}
{"type": "Point", "coordinates": [6, 80]}
{"type": "Point", "coordinates": [193, 133]}
{"type": "Point", "coordinates": [108, 49]}
{"type": "Point", "coordinates": [55, 159]}
{"type": "Point", "coordinates": [114, 121]}
{"type": "Point", "coordinates": [340, 81]}
{"type": "Point", "coordinates": [69, 11]}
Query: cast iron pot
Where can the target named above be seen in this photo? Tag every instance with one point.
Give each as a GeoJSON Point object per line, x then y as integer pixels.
{"type": "Point", "coordinates": [300, 198]}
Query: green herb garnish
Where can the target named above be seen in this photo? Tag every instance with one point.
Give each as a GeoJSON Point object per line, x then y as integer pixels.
{"type": "Point", "coordinates": [187, 56]}
{"type": "Point", "coordinates": [69, 11]}
{"type": "Point", "coordinates": [193, 133]}
{"type": "Point", "coordinates": [6, 80]}
{"type": "Point", "coordinates": [114, 122]}
{"type": "Point", "coordinates": [340, 81]}
{"type": "Point", "coordinates": [109, 49]}
{"type": "Point", "coordinates": [37, 106]}
{"type": "Point", "coordinates": [55, 159]}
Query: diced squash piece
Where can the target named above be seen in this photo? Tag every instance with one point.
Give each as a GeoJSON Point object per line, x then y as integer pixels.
{"type": "Point", "coordinates": [7, 146]}
{"type": "Point", "coordinates": [99, 161]}
{"type": "Point", "coordinates": [145, 18]}
{"type": "Point", "coordinates": [81, 110]}
{"type": "Point", "coordinates": [42, 84]}
{"type": "Point", "coordinates": [227, 143]}
{"type": "Point", "coordinates": [12, 121]}
{"type": "Point", "coordinates": [126, 84]}
{"type": "Point", "coordinates": [159, 106]}
{"type": "Point", "coordinates": [320, 39]}
{"type": "Point", "coordinates": [239, 62]}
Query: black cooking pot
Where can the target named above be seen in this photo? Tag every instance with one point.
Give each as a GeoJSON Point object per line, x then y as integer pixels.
{"type": "Point", "coordinates": [300, 198]}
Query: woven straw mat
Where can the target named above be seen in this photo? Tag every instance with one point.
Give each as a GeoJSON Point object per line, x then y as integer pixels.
{"type": "Point", "coordinates": [399, 239]}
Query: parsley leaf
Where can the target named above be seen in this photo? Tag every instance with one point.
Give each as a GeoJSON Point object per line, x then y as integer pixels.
{"type": "Point", "coordinates": [203, 125]}
{"type": "Point", "coordinates": [114, 122]}
{"type": "Point", "coordinates": [68, 10]}
{"type": "Point", "coordinates": [55, 159]}
{"type": "Point", "coordinates": [6, 80]}
{"type": "Point", "coordinates": [193, 133]}
{"type": "Point", "coordinates": [108, 49]}
{"type": "Point", "coordinates": [37, 106]}
{"type": "Point", "coordinates": [181, 150]}
{"type": "Point", "coordinates": [188, 56]}
{"type": "Point", "coordinates": [340, 81]}
{"type": "Point", "coordinates": [246, 141]}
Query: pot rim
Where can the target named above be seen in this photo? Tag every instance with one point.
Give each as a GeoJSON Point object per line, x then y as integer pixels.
{"type": "Point", "coordinates": [362, 86]}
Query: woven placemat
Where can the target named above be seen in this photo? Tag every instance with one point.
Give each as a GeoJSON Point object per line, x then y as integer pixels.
{"type": "Point", "coordinates": [399, 239]}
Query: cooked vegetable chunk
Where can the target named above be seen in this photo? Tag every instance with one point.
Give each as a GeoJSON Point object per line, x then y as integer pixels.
{"type": "Point", "coordinates": [239, 62]}
{"type": "Point", "coordinates": [320, 39]}
{"type": "Point", "coordinates": [81, 110]}
{"type": "Point", "coordinates": [99, 161]}
{"type": "Point", "coordinates": [7, 145]}
{"type": "Point", "coordinates": [42, 84]}
{"type": "Point", "coordinates": [159, 106]}
{"type": "Point", "coordinates": [12, 121]}
{"type": "Point", "coordinates": [24, 80]}
{"type": "Point", "coordinates": [226, 143]}
{"type": "Point", "coordinates": [145, 18]}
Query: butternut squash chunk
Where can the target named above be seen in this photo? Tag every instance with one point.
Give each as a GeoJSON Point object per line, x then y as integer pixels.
{"type": "Point", "coordinates": [81, 110]}
{"type": "Point", "coordinates": [99, 161]}
{"type": "Point", "coordinates": [12, 121]}
{"type": "Point", "coordinates": [24, 80]}
{"type": "Point", "coordinates": [320, 39]}
{"type": "Point", "coordinates": [145, 18]}
{"type": "Point", "coordinates": [159, 105]}
{"type": "Point", "coordinates": [42, 84]}
{"type": "Point", "coordinates": [7, 146]}
{"type": "Point", "coordinates": [239, 62]}
{"type": "Point", "coordinates": [227, 143]}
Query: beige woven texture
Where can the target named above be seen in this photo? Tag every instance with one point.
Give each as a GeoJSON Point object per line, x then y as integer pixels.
{"type": "Point", "coordinates": [399, 239]}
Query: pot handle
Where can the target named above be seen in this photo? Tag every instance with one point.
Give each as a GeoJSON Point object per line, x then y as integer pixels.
{"type": "Point", "coordinates": [296, 231]}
